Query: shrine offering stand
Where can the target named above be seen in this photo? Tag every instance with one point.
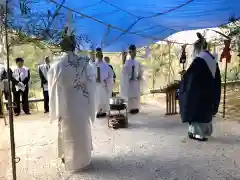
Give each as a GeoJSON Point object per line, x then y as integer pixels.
{"type": "Point", "coordinates": [171, 100]}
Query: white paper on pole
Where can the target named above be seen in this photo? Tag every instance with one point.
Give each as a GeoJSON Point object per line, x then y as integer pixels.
{"type": "Point", "coordinates": [68, 22]}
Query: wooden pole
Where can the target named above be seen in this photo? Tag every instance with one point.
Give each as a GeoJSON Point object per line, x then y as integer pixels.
{"type": "Point", "coordinates": [227, 56]}
{"type": "Point", "coordinates": [169, 67]}
{"type": "Point", "coordinates": [225, 89]}
{"type": "Point", "coordinates": [10, 106]}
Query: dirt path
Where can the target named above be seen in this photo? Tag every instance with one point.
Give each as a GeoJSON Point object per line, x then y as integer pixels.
{"type": "Point", "coordinates": [152, 148]}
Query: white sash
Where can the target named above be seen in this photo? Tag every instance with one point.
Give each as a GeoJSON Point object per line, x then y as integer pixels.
{"type": "Point", "coordinates": [20, 74]}
{"type": "Point", "coordinates": [44, 69]}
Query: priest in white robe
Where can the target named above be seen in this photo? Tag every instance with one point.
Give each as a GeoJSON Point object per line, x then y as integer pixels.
{"type": "Point", "coordinates": [131, 81]}
{"type": "Point", "coordinates": [72, 86]}
{"type": "Point", "coordinates": [105, 84]}
{"type": "Point", "coordinates": [43, 70]}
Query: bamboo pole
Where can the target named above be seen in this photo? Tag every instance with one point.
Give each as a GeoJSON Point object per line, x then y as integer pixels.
{"type": "Point", "coordinates": [10, 106]}
{"type": "Point", "coordinates": [169, 67]}
{"type": "Point", "coordinates": [225, 89]}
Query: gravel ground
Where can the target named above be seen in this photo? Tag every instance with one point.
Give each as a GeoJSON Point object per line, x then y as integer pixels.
{"type": "Point", "coordinates": [154, 147]}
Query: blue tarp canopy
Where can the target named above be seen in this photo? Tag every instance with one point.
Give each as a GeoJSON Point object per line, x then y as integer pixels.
{"type": "Point", "coordinates": [114, 24]}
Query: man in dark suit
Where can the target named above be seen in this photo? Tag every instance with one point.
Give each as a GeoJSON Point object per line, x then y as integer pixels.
{"type": "Point", "coordinates": [43, 70]}
{"type": "Point", "coordinates": [20, 77]}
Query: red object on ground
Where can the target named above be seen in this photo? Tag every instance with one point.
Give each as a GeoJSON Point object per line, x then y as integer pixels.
{"type": "Point", "coordinates": [226, 51]}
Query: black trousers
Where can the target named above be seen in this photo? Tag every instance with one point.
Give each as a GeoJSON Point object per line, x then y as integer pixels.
{"type": "Point", "coordinates": [16, 100]}
{"type": "Point", "coordinates": [46, 101]}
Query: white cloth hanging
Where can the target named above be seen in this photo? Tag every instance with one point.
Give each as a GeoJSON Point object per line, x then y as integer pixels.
{"type": "Point", "coordinates": [72, 86]}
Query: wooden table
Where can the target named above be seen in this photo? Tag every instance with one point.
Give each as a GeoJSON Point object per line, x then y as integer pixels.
{"type": "Point", "coordinates": [171, 101]}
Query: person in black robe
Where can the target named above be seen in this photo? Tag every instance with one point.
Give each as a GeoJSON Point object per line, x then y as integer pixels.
{"type": "Point", "coordinates": [43, 70]}
{"type": "Point", "coordinates": [20, 76]}
{"type": "Point", "coordinates": [200, 92]}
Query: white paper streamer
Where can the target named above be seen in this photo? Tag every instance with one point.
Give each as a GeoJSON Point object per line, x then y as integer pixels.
{"type": "Point", "coordinates": [68, 22]}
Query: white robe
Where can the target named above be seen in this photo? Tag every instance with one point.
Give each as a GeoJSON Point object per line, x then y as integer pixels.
{"type": "Point", "coordinates": [131, 90]}
{"type": "Point", "coordinates": [71, 82]}
{"type": "Point", "coordinates": [104, 87]}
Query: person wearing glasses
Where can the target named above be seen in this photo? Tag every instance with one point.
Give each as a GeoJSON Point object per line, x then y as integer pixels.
{"type": "Point", "coordinates": [131, 81]}
{"type": "Point", "coordinates": [104, 84]}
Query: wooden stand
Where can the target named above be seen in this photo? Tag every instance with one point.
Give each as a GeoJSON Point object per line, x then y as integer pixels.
{"type": "Point", "coordinates": [171, 101]}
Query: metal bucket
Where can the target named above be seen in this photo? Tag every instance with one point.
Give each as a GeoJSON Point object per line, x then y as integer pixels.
{"type": "Point", "coordinates": [116, 101]}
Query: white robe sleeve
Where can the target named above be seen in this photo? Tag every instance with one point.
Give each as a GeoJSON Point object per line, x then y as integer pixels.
{"type": "Point", "coordinates": [124, 82]}
{"type": "Point", "coordinates": [54, 93]}
{"type": "Point", "coordinates": [91, 86]}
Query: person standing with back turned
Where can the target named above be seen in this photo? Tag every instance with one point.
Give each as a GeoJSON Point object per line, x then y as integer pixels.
{"type": "Point", "coordinates": [72, 86]}
{"type": "Point", "coordinates": [43, 71]}
{"type": "Point", "coordinates": [200, 92]}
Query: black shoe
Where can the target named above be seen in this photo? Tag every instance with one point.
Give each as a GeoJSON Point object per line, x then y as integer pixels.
{"type": "Point", "coordinates": [46, 112]}
{"type": "Point", "coordinates": [190, 135]}
{"type": "Point", "coordinates": [27, 113]}
{"type": "Point", "coordinates": [202, 139]}
{"type": "Point", "coordinates": [134, 111]}
{"type": "Point", "coordinates": [16, 114]}
{"type": "Point", "coordinates": [101, 115]}
{"type": "Point", "coordinates": [104, 114]}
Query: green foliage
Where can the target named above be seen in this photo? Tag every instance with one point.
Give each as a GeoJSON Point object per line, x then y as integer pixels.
{"type": "Point", "coordinates": [233, 31]}
{"type": "Point", "coordinates": [163, 65]}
